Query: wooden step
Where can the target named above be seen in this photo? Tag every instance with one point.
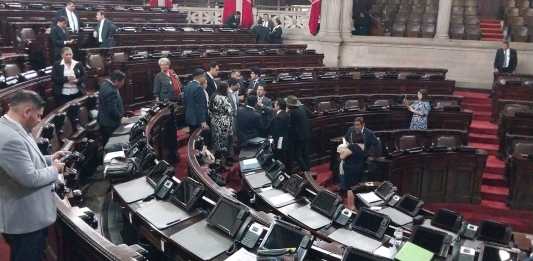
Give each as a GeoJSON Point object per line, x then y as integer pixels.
{"type": "Point", "coordinates": [494, 193]}
{"type": "Point", "coordinates": [490, 148]}
{"type": "Point", "coordinates": [483, 138]}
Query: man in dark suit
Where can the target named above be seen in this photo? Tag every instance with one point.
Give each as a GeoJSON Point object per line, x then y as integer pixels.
{"type": "Point", "coordinates": [104, 31]}
{"type": "Point", "coordinates": [249, 122]}
{"type": "Point", "coordinates": [277, 31]}
{"type": "Point", "coordinates": [59, 38]}
{"type": "Point", "coordinates": [255, 80]}
{"type": "Point", "coordinates": [299, 133]}
{"type": "Point", "coordinates": [264, 105]}
{"type": "Point", "coordinates": [234, 20]}
{"type": "Point", "coordinates": [267, 22]}
{"type": "Point", "coordinates": [506, 59]}
{"type": "Point", "coordinates": [372, 146]}
{"type": "Point", "coordinates": [72, 18]}
{"type": "Point", "coordinates": [195, 100]}
{"type": "Point", "coordinates": [279, 129]}
{"type": "Point", "coordinates": [110, 106]}
{"type": "Point", "coordinates": [212, 73]}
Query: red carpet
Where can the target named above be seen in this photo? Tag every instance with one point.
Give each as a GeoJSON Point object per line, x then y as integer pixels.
{"type": "Point", "coordinates": [4, 250]}
{"type": "Point", "coordinates": [482, 134]}
{"type": "Point", "coordinates": [491, 30]}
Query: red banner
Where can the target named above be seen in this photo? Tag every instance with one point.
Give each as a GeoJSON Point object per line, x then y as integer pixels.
{"type": "Point", "coordinates": [314, 17]}
{"type": "Point", "coordinates": [243, 6]}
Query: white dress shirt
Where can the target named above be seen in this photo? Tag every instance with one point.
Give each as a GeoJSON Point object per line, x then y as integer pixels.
{"type": "Point", "coordinates": [507, 59]}
{"type": "Point", "coordinates": [69, 88]}
{"type": "Point", "coordinates": [72, 20]}
{"type": "Point", "coordinates": [100, 40]}
{"type": "Point", "coordinates": [212, 78]}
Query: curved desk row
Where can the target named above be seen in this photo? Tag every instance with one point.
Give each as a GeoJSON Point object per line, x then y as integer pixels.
{"type": "Point", "coordinates": [168, 240]}
{"type": "Point", "coordinates": [71, 238]}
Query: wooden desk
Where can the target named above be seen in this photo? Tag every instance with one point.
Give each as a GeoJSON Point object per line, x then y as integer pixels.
{"type": "Point", "coordinates": [437, 176]}
{"type": "Point", "coordinates": [520, 170]}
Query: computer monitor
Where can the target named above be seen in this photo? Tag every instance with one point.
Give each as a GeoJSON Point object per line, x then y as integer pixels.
{"type": "Point", "coordinates": [157, 172]}
{"type": "Point", "coordinates": [275, 170]}
{"type": "Point", "coordinates": [495, 232]}
{"type": "Point", "coordinates": [282, 235]}
{"type": "Point", "coordinates": [447, 220]}
{"type": "Point", "coordinates": [385, 191]}
{"type": "Point", "coordinates": [187, 194]}
{"type": "Point", "coordinates": [494, 253]}
{"type": "Point", "coordinates": [370, 223]}
{"type": "Point", "coordinates": [294, 185]}
{"type": "Point", "coordinates": [432, 240]}
{"type": "Point", "coordinates": [326, 202]}
{"type": "Point", "coordinates": [227, 216]}
{"type": "Point", "coordinates": [351, 254]}
{"type": "Point", "coordinates": [410, 205]}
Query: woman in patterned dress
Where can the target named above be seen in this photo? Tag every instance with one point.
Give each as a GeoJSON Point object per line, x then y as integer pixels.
{"type": "Point", "coordinates": [221, 114]}
{"type": "Point", "coordinates": [420, 109]}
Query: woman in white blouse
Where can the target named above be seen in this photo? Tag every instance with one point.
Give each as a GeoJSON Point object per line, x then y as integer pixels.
{"type": "Point", "coordinates": [68, 77]}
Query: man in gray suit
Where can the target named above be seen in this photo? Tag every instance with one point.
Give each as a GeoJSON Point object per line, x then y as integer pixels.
{"type": "Point", "coordinates": [27, 205]}
{"type": "Point", "coordinates": [104, 30]}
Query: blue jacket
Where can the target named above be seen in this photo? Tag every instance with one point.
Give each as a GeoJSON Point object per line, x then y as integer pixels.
{"type": "Point", "coordinates": [195, 104]}
{"type": "Point", "coordinates": [110, 107]}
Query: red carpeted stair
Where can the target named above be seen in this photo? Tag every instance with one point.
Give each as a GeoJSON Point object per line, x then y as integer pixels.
{"type": "Point", "coordinates": [482, 135]}
{"type": "Point", "coordinates": [491, 30]}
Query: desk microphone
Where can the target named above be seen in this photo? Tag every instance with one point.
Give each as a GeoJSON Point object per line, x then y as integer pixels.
{"type": "Point", "coordinates": [276, 252]}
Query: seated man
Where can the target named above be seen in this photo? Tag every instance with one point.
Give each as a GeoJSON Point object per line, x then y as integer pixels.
{"type": "Point", "coordinates": [249, 122]}
{"type": "Point", "coordinates": [234, 21]}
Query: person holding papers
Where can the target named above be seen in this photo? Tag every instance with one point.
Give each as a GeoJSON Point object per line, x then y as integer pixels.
{"type": "Point", "coordinates": [279, 129]}
{"type": "Point", "coordinates": [352, 162]}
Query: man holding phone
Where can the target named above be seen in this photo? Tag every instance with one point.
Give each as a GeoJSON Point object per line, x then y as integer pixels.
{"type": "Point", "coordinates": [26, 179]}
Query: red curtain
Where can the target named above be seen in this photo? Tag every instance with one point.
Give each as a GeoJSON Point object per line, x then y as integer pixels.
{"type": "Point", "coordinates": [314, 17]}
{"type": "Point", "coordinates": [155, 3]}
{"type": "Point", "coordinates": [243, 6]}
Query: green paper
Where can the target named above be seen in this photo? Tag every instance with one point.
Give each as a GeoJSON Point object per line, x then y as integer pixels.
{"type": "Point", "coordinates": [412, 252]}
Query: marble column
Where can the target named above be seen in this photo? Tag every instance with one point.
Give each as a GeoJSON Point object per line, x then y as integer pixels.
{"type": "Point", "coordinates": [443, 19]}
{"type": "Point", "coordinates": [347, 20]}
{"type": "Point", "coordinates": [329, 36]}
{"type": "Point", "coordinates": [330, 17]}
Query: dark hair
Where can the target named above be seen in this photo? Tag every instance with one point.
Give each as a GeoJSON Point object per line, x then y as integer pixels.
{"type": "Point", "coordinates": [424, 93]}
{"type": "Point", "coordinates": [70, 2]}
{"type": "Point", "coordinates": [117, 75]}
{"type": "Point", "coordinates": [25, 96]}
{"type": "Point", "coordinates": [505, 42]}
{"type": "Point", "coordinates": [260, 85]}
{"type": "Point", "coordinates": [237, 13]}
{"type": "Point", "coordinates": [251, 100]}
{"type": "Point", "coordinates": [102, 13]}
{"type": "Point", "coordinates": [222, 88]}
{"type": "Point", "coordinates": [213, 65]}
{"type": "Point", "coordinates": [197, 72]}
{"type": "Point", "coordinates": [360, 120]}
{"type": "Point", "coordinates": [61, 19]}
{"type": "Point", "coordinates": [278, 21]}
{"type": "Point", "coordinates": [233, 82]}
{"type": "Point", "coordinates": [281, 103]}
{"type": "Point", "coordinates": [256, 70]}
{"type": "Point", "coordinates": [235, 71]}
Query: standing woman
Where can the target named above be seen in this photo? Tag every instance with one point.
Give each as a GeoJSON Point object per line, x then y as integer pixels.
{"type": "Point", "coordinates": [68, 77]}
{"type": "Point", "coordinates": [167, 85]}
{"type": "Point", "coordinates": [420, 109]}
{"type": "Point", "coordinates": [221, 116]}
